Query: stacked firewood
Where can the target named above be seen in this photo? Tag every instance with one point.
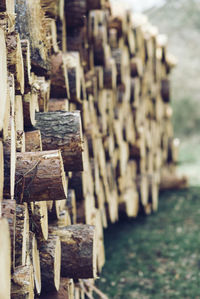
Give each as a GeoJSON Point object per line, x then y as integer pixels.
{"type": "Point", "coordinates": [85, 134]}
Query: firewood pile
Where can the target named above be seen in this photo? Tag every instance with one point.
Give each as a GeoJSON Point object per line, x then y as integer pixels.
{"type": "Point", "coordinates": [85, 135]}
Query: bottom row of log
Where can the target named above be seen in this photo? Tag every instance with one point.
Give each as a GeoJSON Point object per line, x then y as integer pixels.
{"type": "Point", "coordinates": [46, 267]}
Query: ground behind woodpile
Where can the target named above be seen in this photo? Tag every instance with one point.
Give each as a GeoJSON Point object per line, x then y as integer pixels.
{"type": "Point", "coordinates": [159, 256]}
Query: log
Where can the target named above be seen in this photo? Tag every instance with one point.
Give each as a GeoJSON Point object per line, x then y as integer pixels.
{"type": "Point", "coordinates": [39, 220]}
{"type": "Point", "coordinates": [62, 130]}
{"type": "Point", "coordinates": [78, 247]}
{"type": "Point", "coordinates": [66, 290]}
{"type": "Point", "coordinates": [74, 74]}
{"type": "Point", "coordinates": [7, 6]}
{"type": "Point", "coordinates": [59, 77]}
{"type": "Point", "coordinates": [5, 259]}
{"type": "Point", "coordinates": [58, 105]}
{"type": "Point", "coordinates": [9, 148]}
{"type": "Point", "coordinates": [3, 81]}
{"type": "Point", "coordinates": [25, 46]}
{"type": "Point", "coordinates": [35, 261]}
{"type": "Point", "coordinates": [53, 8]}
{"type": "Point", "coordinates": [40, 176]}
{"type": "Point", "coordinates": [29, 15]}
{"type": "Point", "coordinates": [21, 234]}
{"type": "Point", "coordinates": [1, 172]}
{"type": "Point", "coordinates": [50, 259]}
{"type": "Point", "coordinates": [9, 213]}
{"type": "Point", "coordinates": [33, 141]}
{"type": "Point", "coordinates": [15, 60]}
{"type": "Point", "coordinates": [29, 107]}
{"type": "Point", "coordinates": [71, 205]}
{"type": "Point", "coordinates": [75, 11]}
{"type": "Point", "coordinates": [23, 283]}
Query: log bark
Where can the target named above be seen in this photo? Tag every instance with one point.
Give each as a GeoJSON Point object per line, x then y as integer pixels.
{"type": "Point", "coordinates": [29, 15]}
{"type": "Point", "coordinates": [23, 283]}
{"type": "Point", "coordinates": [50, 259]}
{"type": "Point", "coordinates": [39, 220]}
{"type": "Point", "coordinates": [40, 176]}
{"type": "Point", "coordinates": [62, 130]}
{"type": "Point", "coordinates": [15, 60]}
{"type": "Point", "coordinates": [78, 247]}
{"type": "Point", "coordinates": [5, 259]}
{"type": "Point", "coordinates": [33, 141]}
{"type": "Point", "coordinates": [59, 77]}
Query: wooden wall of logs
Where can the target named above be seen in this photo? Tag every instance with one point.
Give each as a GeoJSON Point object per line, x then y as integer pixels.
{"type": "Point", "coordinates": [85, 135]}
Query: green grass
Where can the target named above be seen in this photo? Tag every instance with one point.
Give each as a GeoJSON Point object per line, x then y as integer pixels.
{"type": "Point", "coordinates": [158, 256]}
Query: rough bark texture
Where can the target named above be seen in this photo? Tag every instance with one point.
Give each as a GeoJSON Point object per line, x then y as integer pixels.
{"type": "Point", "coordinates": [66, 290]}
{"type": "Point", "coordinates": [23, 283]}
{"type": "Point", "coordinates": [33, 141]}
{"type": "Point", "coordinates": [50, 259]}
{"type": "Point", "coordinates": [29, 15]}
{"type": "Point", "coordinates": [62, 130]}
{"type": "Point", "coordinates": [78, 244]}
{"type": "Point", "coordinates": [40, 176]}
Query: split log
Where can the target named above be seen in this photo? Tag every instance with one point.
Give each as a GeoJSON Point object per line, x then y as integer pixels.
{"type": "Point", "coordinates": [50, 259]}
{"type": "Point", "coordinates": [23, 283]}
{"type": "Point", "coordinates": [5, 259]}
{"type": "Point", "coordinates": [40, 176]}
{"type": "Point", "coordinates": [33, 141]}
{"type": "Point", "coordinates": [78, 247]}
{"type": "Point", "coordinates": [63, 130]}
{"type": "Point", "coordinates": [30, 15]}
